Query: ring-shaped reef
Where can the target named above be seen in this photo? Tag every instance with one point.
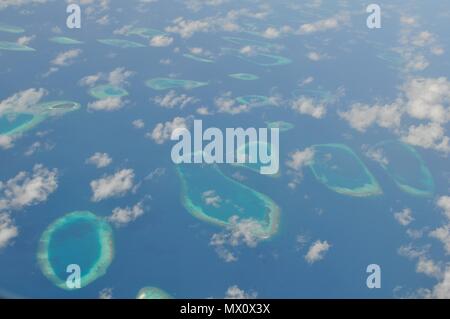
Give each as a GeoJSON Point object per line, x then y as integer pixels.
{"type": "Point", "coordinates": [198, 58]}
{"type": "Point", "coordinates": [123, 44]}
{"type": "Point", "coordinates": [264, 59]}
{"type": "Point", "coordinates": [281, 125]}
{"type": "Point", "coordinates": [254, 100]}
{"type": "Point", "coordinates": [146, 33]}
{"type": "Point", "coordinates": [244, 76]}
{"type": "Point", "coordinates": [152, 293]}
{"type": "Point", "coordinates": [79, 238]}
{"type": "Point", "coordinates": [406, 167]}
{"type": "Point", "coordinates": [65, 40]}
{"type": "Point", "coordinates": [10, 28]}
{"type": "Point", "coordinates": [341, 170]}
{"type": "Point", "coordinates": [231, 199]}
{"type": "Point", "coordinates": [107, 91]}
{"type": "Point", "coordinates": [243, 153]}
{"type": "Point", "coordinates": [160, 84]}
{"type": "Point", "coordinates": [250, 42]}
{"type": "Point", "coordinates": [318, 93]}
{"type": "Point", "coordinates": [13, 46]}
{"type": "Point", "coordinates": [13, 124]}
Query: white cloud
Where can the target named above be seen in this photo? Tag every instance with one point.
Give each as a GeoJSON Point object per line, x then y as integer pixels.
{"type": "Point", "coordinates": [363, 116]}
{"type": "Point", "coordinates": [112, 186]}
{"type": "Point", "coordinates": [444, 203]}
{"type": "Point", "coordinates": [317, 251]}
{"type": "Point", "coordinates": [161, 41]}
{"type": "Point", "coordinates": [234, 292]}
{"type": "Point", "coordinates": [299, 159]}
{"type": "Point", "coordinates": [66, 58]}
{"type": "Point", "coordinates": [323, 25]}
{"type": "Point", "coordinates": [17, 3]}
{"type": "Point", "coordinates": [246, 231]}
{"type": "Point", "coordinates": [22, 102]}
{"type": "Point", "coordinates": [226, 104]}
{"type": "Point", "coordinates": [6, 142]}
{"type": "Point", "coordinates": [163, 131]}
{"type": "Point", "coordinates": [138, 124]}
{"type": "Point", "coordinates": [27, 189]}
{"type": "Point", "coordinates": [8, 230]}
{"type": "Point", "coordinates": [172, 100]}
{"type": "Point", "coordinates": [100, 160]}
{"type": "Point", "coordinates": [309, 106]}
{"type": "Point", "coordinates": [210, 198]}
{"type": "Point", "coordinates": [187, 28]}
{"type": "Point", "coordinates": [108, 104]}
{"type": "Point", "coordinates": [430, 136]}
{"type": "Point", "coordinates": [123, 216]}
{"type": "Point", "coordinates": [404, 217]}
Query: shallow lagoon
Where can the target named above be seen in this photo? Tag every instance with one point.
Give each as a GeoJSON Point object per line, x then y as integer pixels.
{"type": "Point", "coordinates": [230, 198]}
{"type": "Point", "coordinates": [244, 76]}
{"type": "Point", "coordinates": [124, 44]}
{"type": "Point", "coordinates": [160, 84]}
{"type": "Point", "coordinates": [152, 293]}
{"type": "Point", "coordinates": [79, 238]}
{"type": "Point", "coordinates": [406, 167]}
{"type": "Point", "coordinates": [340, 169]}
{"type": "Point", "coordinates": [13, 46]}
{"type": "Point", "coordinates": [10, 28]}
{"type": "Point", "coordinates": [106, 91]}
{"type": "Point", "coordinates": [65, 40]}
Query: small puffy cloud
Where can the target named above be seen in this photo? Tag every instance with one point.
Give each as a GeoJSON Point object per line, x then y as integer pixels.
{"type": "Point", "coordinates": [443, 235]}
{"type": "Point", "coordinates": [138, 124]}
{"type": "Point", "coordinates": [362, 116]}
{"type": "Point", "coordinates": [226, 104]}
{"type": "Point", "coordinates": [271, 33]}
{"type": "Point", "coordinates": [317, 251]}
{"type": "Point", "coordinates": [66, 58]}
{"type": "Point", "coordinates": [172, 100]}
{"type": "Point", "coordinates": [234, 292]}
{"type": "Point", "coordinates": [187, 28]}
{"type": "Point", "coordinates": [119, 76]}
{"type": "Point", "coordinates": [246, 231]}
{"type": "Point", "coordinates": [17, 3]}
{"type": "Point", "coordinates": [309, 106]}
{"type": "Point", "coordinates": [100, 160]}
{"type": "Point", "coordinates": [161, 41]}
{"type": "Point", "coordinates": [6, 142]}
{"type": "Point", "coordinates": [8, 230]}
{"type": "Point", "coordinates": [377, 155]}
{"type": "Point", "coordinates": [27, 189]}
{"type": "Point", "coordinates": [404, 217]}
{"type": "Point", "coordinates": [123, 216]}
{"type": "Point", "coordinates": [25, 40]}
{"type": "Point", "coordinates": [108, 104]}
{"type": "Point", "coordinates": [323, 25]}
{"type": "Point", "coordinates": [22, 102]}
{"type": "Point", "coordinates": [298, 159]}
{"type": "Point", "coordinates": [112, 186]}
{"type": "Point", "coordinates": [314, 56]}
{"type": "Point", "coordinates": [90, 80]}
{"type": "Point", "coordinates": [429, 136]}
{"type": "Point", "coordinates": [163, 131]}
{"type": "Point", "coordinates": [444, 203]}
{"type": "Point", "coordinates": [210, 198]}
{"type": "Point", "coordinates": [106, 293]}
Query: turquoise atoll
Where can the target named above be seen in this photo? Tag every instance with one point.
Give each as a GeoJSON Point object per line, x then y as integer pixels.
{"type": "Point", "coordinates": [281, 125]}
{"type": "Point", "coordinates": [106, 91]}
{"type": "Point", "coordinates": [146, 33]}
{"type": "Point", "coordinates": [340, 169]}
{"type": "Point", "coordinates": [65, 40]}
{"type": "Point", "coordinates": [317, 93]}
{"type": "Point", "coordinates": [249, 42]}
{"type": "Point", "coordinates": [160, 84]}
{"type": "Point", "coordinates": [198, 58]}
{"type": "Point", "coordinates": [213, 197]}
{"type": "Point", "coordinates": [124, 44]}
{"type": "Point", "coordinates": [406, 167]}
{"type": "Point", "coordinates": [10, 28]}
{"type": "Point", "coordinates": [79, 238]}
{"type": "Point", "coordinates": [13, 46]}
{"type": "Point", "coordinates": [244, 76]}
{"type": "Point", "coordinates": [152, 293]}
{"type": "Point", "coordinates": [13, 124]}
{"type": "Point", "coordinates": [254, 100]}
{"type": "Point", "coordinates": [264, 59]}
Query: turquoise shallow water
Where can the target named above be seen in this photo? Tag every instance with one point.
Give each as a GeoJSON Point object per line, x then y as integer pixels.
{"type": "Point", "coordinates": [406, 167]}
{"type": "Point", "coordinates": [10, 123]}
